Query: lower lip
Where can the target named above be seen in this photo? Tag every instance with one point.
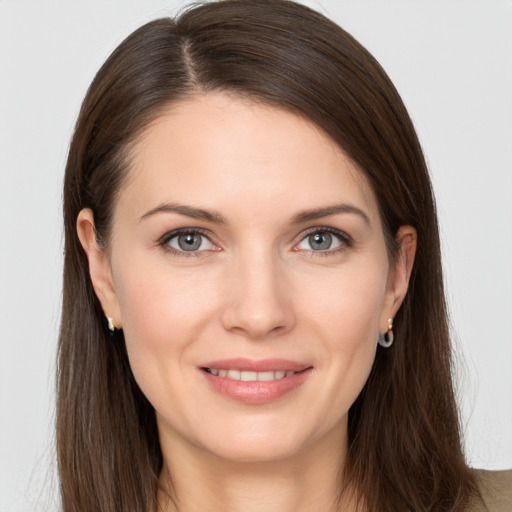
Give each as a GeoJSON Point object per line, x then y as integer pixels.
{"type": "Point", "coordinates": [256, 392]}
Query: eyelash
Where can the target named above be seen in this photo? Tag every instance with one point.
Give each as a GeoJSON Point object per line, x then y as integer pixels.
{"type": "Point", "coordinates": [164, 242]}
{"type": "Point", "coordinates": [346, 241]}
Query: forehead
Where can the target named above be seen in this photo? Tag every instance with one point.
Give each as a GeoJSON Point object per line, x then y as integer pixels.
{"type": "Point", "coordinates": [230, 153]}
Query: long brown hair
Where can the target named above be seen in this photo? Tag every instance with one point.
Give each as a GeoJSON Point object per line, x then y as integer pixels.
{"type": "Point", "coordinates": [404, 441]}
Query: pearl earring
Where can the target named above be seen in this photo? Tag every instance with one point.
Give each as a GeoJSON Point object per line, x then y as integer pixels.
{"type": "Point", "coordinates": [111, 326]}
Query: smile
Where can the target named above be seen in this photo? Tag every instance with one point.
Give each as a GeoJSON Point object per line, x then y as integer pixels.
{"type": "Point", "coordinates": [255, 382]}
{"type": "Point", "coordinates": [250, 376]}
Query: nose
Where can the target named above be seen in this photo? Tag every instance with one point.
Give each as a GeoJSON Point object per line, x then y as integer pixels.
{"type": "Point", "coordinates": [258, 301]}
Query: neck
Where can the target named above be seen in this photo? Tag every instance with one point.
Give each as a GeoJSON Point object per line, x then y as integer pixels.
{"type": "Point", "coordinates": [309, 481]}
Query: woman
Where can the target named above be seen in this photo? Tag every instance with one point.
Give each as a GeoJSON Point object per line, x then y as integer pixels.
{"type": "Point", "coordinates": [253, 313]}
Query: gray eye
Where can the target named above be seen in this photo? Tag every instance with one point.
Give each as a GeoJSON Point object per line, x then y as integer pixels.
{"type": "Point", "coordinates": [190, 242]}
{"type": "Point", "coordinates": [320, 241]}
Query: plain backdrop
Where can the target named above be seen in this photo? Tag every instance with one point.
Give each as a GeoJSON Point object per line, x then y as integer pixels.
{"type": "Point", "coordinates": [452, 63]}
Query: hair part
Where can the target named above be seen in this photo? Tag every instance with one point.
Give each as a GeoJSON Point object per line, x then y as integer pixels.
{"type": "Point", "coordinates": [404, 440]}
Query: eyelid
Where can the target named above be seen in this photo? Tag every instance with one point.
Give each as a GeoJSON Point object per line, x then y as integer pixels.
{"type": "Point", "coordinates": [164, 240]}
{"type": "Point", "coordinates": [346, 240]}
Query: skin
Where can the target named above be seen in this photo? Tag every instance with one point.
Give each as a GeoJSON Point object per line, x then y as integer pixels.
{"type": "Point", "coordinates": [257, 289]}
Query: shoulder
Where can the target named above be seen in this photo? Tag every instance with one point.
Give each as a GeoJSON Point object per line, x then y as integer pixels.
{"type": "Point", "coordinates": [495, 491]}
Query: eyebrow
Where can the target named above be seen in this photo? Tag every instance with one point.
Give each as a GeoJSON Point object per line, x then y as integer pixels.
{"type": "Point", "coordinates": [217, 218]}
{"type": "Point", "coordinates": [319, 213]}
{"type": "Point", "coordinates": [188, 211]}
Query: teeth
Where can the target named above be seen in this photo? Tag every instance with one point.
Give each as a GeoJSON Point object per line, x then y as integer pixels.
{"type": "Point", "coordinates": [233, 374]}
{"type": "Point", "coordinates": [248, 376]}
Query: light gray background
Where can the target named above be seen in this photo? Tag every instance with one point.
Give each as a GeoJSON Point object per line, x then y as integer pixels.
{"type": "Point", "coordinates": [452, 63]}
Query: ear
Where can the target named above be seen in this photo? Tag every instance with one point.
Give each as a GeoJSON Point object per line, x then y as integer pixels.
{"type": "Point", "coordinates": [399, 275]}
{"type": "Point", "coordinates": [99, 266]}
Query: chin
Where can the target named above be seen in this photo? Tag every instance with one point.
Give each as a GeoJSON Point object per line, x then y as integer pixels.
{"type": "Point", "coordinates": [260, 440]}
{"type": "Point", "coordinates": [255, 451]}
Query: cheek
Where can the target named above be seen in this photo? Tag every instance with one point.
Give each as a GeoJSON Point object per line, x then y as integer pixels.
{"type": "Point", "coordinates": [162, 311]}
{"type": "Point", "coordinates": [344, 319]}
{"type": "Point", "coordinates": [348, 302]}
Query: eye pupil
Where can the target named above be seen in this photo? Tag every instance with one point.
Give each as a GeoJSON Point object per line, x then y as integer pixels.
{"type": "Point", "coordinates": [320, 241]}
{"type": "Point", "coordinates": [189, 242]}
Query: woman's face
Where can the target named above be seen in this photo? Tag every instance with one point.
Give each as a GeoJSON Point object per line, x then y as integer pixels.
{"type": "Point", "coordinates": [248, 270]}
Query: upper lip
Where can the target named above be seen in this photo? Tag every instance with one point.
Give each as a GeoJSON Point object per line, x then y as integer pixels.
{"type": "Point", "coordinates": [261, 365]}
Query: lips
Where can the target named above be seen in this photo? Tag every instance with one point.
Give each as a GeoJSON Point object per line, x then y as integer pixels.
{"type": "Point", "coordinates": [250, 376]}
{"type": "Point", "coordinates": [255, 382]}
